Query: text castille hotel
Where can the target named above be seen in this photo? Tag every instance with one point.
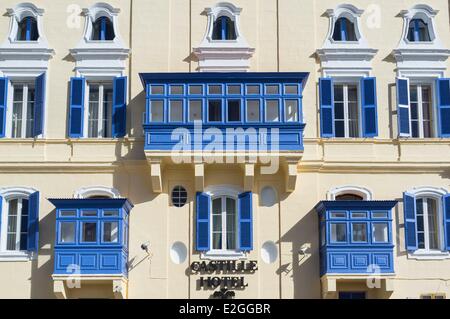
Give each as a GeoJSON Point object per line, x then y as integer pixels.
{"type": "Point", "coordinates": [246, 149]}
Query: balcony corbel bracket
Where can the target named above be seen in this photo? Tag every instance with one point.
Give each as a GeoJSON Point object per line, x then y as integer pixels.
{"type": "Point", "coordinates": [249, 178]}
{"type": "Point", "coordinates": [291, 174]}
{"type": "Point", "coordinates": [120, 289]}
{"type": "Point", "coordinates": [59, 289]}
{"type": "Point", "coordinates": [155, 173]}
{"type": "Point", "coordinates": [199, 177]}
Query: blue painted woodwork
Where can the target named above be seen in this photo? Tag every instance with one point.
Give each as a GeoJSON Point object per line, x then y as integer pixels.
{"type": "Point", "coordinates": [96, 257]}
{"type": "Point", "coordinates": [443, 93]}
{"type": "Point", "coordinates": [285, 134]}
{"type": "Point", "coordinates": [347, 256]}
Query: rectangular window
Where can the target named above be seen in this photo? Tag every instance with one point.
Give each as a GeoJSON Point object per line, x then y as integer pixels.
{"type": "Point", "coordinates": [359, 233]}
{"type": "Point", "coordinates": [157, 90]}
{"type": "Point", "coordinates": [176, 90]}
{"type": "Point", "coordinates": [272, 89]}
{"type": "Point", "coordinates": [17, 225]}
{"type": "Point", "coordinates": [253, 111]}
{"type": "Point", "coordinates": [380, 232]}
{"type": "Point", "coordinates": [110, 232]}
{"type": "Point", "coordinates": [68, 213]}
{"type": "Point", "coordinates": [346, 114]}
{"type": "Point", "coordinates": [195, 89]}
{"type": "Point", "coordinates": [291, 110]}
{"type": "Point", "coordinates": [89, 213]}
{"type": "Point", "coordinates": [195, 110]}
{"type": "Point", "coordinates": [234, 89]}
{"type": "Point", "coordinates": [215, 111]}
{"type": "Point", "coordinates": [291, 89]}
{"type": "Point", "coordinates": [272, 111]}
{"type": "Point", "coordinates": [421, 111]}
{"type": "Point", "coordinates": [217, 224]}
{"type": "Point", "coordinates": [338, 233]}
{"type": "Point", "coordinates": [215, 89]}
{"type": "Point", "coordinates": [427, 224]}
{"type": "Point", "coordinates": [234, 110]}
{"type": "Point", "coordinates": [99, 115]}
{"type": "Point", "coordinates": [156, 111]}
{"type": "Point", "coordinates": [89, 234]}
{"type": "Point", "coordinates": [359, 215]}
{"type": "Point", "coordinates": [175, 111]}
{"type": "Point", "coordinates": [67, 232]}
{"type": "Point", "coordinates": [23, 110]}
{"type": "Point", "coordinates": [253, 89]}
{"type": "Point", "coordinates": [380, 214]}
{"type": "Point", "coordinates": [338, 215]}
{"type": "Point", "coordinates": [111, 213]}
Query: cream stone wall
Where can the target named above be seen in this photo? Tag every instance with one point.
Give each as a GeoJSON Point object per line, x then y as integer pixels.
{"type": "Point", "coordinates": [161, 35]}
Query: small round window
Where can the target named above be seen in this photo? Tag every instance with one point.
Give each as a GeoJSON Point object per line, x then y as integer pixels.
{"type": "Point", "coordinates": [179, 196]}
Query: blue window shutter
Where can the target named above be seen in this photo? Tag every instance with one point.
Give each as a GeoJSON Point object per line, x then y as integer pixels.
{"type": "Point", "coordinates": [443, 92]}
{"type": "Point", "coordinates": [403, 107]}
{"type": "Point", "coordinates": [203, 207]}
{"type": "Point", "coordinates": [3, 105]}
{"type": "Point", "coordinates": [446, 200]}
{"type": "Point", "coordinates": [1, 207]}
{"type": "Point", "coordinates": [119, 120]}
{"type": "Point", "coordinates": [245, 220]}
{"type": "Point", "coordinates": [33, 222]}
{"type": "Point", "coordinates": [326, 107]}
{"type": "Point", "coordinates": [76, 115]}
{"type": "Point", "coordinates": [39, 105]}
{"type": "Point", "coordinates": [369, 107]}
{"type": "Point", "coordinates": [409, 206]}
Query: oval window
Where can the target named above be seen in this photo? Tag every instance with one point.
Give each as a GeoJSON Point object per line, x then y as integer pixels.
{"type": "Point", "coordinates": [179, 196]}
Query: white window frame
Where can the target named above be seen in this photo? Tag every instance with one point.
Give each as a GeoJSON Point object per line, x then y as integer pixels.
{"type": "Point", "coordinates": [101, 84]}
{"type": "Point", "coordinates": [8, 194]}
{"type": "Point", "coordinates": [10, 110]}
{"type": "Point", "coordinates": [224, 208]}
{"type": "Point", "coordinates": [426, 228]}
{"type": "Point", "coordinates": [86, 192]}
{"type": "Point", "coordinates": [224, 191]}
{"type": "Point", "coordinates": [430, 82]}
{"type": "Point", "coordinates": [365, 193]}
{"type": "Point", "coordinates": [437, 194]}
{"type": "Point", "coordinates": [346, 84]}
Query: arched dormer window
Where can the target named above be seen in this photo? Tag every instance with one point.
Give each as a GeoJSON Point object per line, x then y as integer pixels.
{"type": "Point", "coordinates": [418, 31]}
{"type": "Point", "coordinates": [344, 30]}
{"type": "Point", "coordinates": [224, 29]}
{"type": "Point", "coordinates": [346, 197]}
{"type": "Point", "coordinates": [27, 29]}
{"type": "Point", "coordinates": [349, 193]}
{"type": "Point", "coordinates": [103, 30]}
{"type": "Point", "coordinates": [97, 192]}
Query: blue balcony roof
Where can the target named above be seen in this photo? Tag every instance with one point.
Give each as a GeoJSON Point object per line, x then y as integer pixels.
{"type": "Point", "coordinates": [91, 203]}
{"type": "Point", "coordinates": [224, 76]}
{"type": "Point", "coordinates": [355, 204]}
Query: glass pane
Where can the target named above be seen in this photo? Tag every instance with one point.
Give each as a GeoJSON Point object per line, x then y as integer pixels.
{"type": "Point", "coordinates": [234, 89]}
{"type": "Point", "coordinates": [359, 215]}
{"type": "Point", "coordinates": [195, 89]}
{"type": "Point", "coordinates": [359, 234]}
{"type": "Point", "coordinates": [156, 111]}
{"type": "Point", "coordinates": [157, 89]}
{"type": "Point", "coordinates": [195, 111]}
{"type": "Point", "coordinates": [30, 113]}
{"type": "Point", "coordinates": [380, 233]}
{"type": "Point", "coordinates": [215, 89]}
{"type": "Point", "coordinates": [380, 215]}
{"type": "Point", "coordinates": [107, 111]}
{"type": "Point", "coordinates": [110, 232]}
{"type": "Point", "coordinates": [215, 111]}
{"type": "Point", "coordinates": [89, 232]}
{"type": "Point", "coordinates": [231, 223]}
{"type": "Point", "coordinates": [253, 89]}
{"type": "Point", "coordinates": [176, 111]}
{"type": "Point", "coordinates": [89, 213]}
{"type": "Point", "coordinates": [352, 93]}
{"type": "Point", "coordinates": [12, 234]}
{"type": "Point", "coordinates": [338, 233]}
{"type": "Point", "coordinates": [217, 240]}
{"type": "Point", "coordinates": [24, 217]}
{"type": "Point", "coordinates": [291, 89]}
{"type": "Point", "coordinates": [272, 89]}
{"type": "Point", "coordinates": [339, 128]}
{"type": "Point", "coordinates": [338, 93]}
{"type": "Point", "coordinates": [291, 110]}
{"type": "Point", "coordinates": [94, 98]}
{"type": "Point", "coordinates": [67, 233]}
{"type": "Point", "coordinates": [253, 109]}
{"type": "Point", "coordinates": [17, 116]}
{"type": "Point", "coordinates": [111, 213]}
{"type": "Point", "coordinates": [176, 89]}
{"type": "Point", "coordinates": [272, 111]}
{"type": "Point", "coordinates": [234, 110]}
{"type": "Point", "coordinates": [338, 215]}
{"type": "Point", "coordinates": [339, 110]}
{"type": "Point", "coordinates": [432, 224]}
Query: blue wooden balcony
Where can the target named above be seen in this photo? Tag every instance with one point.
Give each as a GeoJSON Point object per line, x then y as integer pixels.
{"type": "Point", "coordinates": [232, 111]}
{"type": "Point", "coordinates": [91, 236]}
{"type": "Point", "coordinates": [356, 237]}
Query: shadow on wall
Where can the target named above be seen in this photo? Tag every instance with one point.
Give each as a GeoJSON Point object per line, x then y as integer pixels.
{"type": "Point", "coordinates": [304, 269]}
{"type": "Point", "coordinates": [42, 267]}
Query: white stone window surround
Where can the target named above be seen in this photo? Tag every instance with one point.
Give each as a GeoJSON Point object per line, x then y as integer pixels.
{"type": "Point", "coordinates": [345, 56]}
{"type": "Point", "coordinates": [93, 56]}
{"type": "Point", "coordinates": [223, 55]}
{"type": "Point", "coordinates": [418, 57]}
{"type": "Point", "coordinates": [435, 193]}
{"type": "Point", "coordinates": [86, 192]}
{"type": "Point", "coordinates": [364, 192]}
{"type": "Point", "coordinates": [217, 191]}
{"type": "Point", "coordinates": [8, 194]}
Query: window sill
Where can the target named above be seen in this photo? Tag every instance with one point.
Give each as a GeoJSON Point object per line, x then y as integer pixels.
{"type": "Point", "coordinates": [19, 256]}
{"type": "Point", "coordinates": [223, 255]}
{"type": "Point", "coordinates": [429, 255]}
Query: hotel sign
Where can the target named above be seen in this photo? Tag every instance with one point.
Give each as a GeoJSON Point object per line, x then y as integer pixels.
{"type": "Point", "coordinates": [232, 273]}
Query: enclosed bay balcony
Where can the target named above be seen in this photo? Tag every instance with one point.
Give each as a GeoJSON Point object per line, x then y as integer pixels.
{"type": "Point", "coordinates": [91, 243]}
{"type": "Point", "coordinates": [198, 118]}
{"type": "Point", "coordinates": [356, 242]}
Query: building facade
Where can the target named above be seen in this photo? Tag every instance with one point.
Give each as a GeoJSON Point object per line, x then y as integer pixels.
{"type": "Point", "coordinates": [203, 149]}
